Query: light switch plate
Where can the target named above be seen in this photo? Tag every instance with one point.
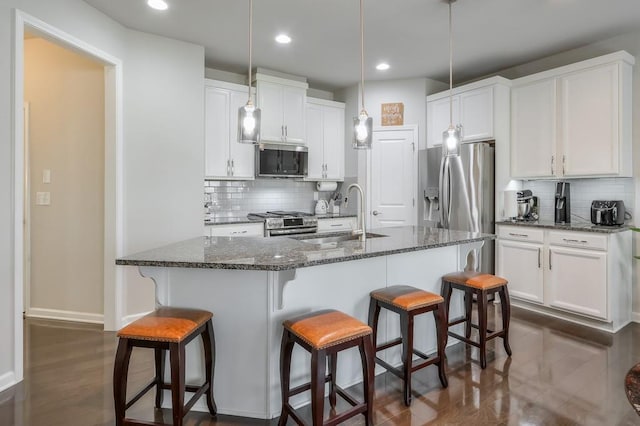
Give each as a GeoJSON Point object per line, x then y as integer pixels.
{"type": "Point", "coordinates": [46, 176]}
{"type": "Point", "coordinates": [43, 198]}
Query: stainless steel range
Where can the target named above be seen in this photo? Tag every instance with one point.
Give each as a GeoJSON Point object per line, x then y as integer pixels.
{"type": "Point", "coordinates": [286, 223]}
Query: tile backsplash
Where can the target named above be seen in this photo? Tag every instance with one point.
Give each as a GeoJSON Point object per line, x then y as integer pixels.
{"type": "Point", "coordinates": [238, 198]}
{"type": "Point", "coordinates": [583, 191]}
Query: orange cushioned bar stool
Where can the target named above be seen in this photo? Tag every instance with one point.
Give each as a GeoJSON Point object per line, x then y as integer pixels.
{"type": "Point", "coordinates": [482, 285]}
{"type": "Point", "coordinates": [324, 334]}
{"type": "Point", "coordinates": [165, 329]}
{"type": "Point", "coordinates": [408, 302]}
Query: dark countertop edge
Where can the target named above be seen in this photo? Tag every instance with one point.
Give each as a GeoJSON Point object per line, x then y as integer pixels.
{"type": "Point", "coordinates": [244, 267]}
{"type": "Point", "coordinates": [582, 227]}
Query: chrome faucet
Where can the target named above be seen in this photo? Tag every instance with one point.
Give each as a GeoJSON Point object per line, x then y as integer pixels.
{"type": "Point", "coordinates": [362, 231]}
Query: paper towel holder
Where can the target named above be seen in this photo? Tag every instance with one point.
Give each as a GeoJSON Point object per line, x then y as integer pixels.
{"type": "Point", "coordinates": [325, 186]}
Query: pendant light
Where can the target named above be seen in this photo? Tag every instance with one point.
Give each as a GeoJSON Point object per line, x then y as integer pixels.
{"type": "Point", "coordinates": [452, 136]}
{"type": "Point", "coordinates": [362, 124]}
{"type": "Point", "coordinates": [249, 115]}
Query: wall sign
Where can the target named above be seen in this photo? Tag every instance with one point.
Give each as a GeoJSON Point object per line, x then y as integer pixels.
{"type": "Point", "coordinates": [392, 114]}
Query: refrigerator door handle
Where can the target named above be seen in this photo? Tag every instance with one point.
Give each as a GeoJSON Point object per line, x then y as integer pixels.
{"type": "Point", "coordinates": [445, 192]}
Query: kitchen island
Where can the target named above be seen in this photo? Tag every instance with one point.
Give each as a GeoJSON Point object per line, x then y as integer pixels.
{"type": "Point", "coordinates": [253, 284]}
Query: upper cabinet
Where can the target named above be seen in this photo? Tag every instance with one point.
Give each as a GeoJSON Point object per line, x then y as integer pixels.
{"type": "Point", "coordinates": [225, 158]}
{"type": "Point", "coordinates": [573, 121]}
{"type": "Point", "coordinates": [473, 110]}
{"type": "Point", "coordinates": [282, 103]}
{"type": "Point", "coordinates": [325, 139]}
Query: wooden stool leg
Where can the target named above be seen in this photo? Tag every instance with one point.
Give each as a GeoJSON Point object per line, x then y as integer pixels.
{"type": "Point", "coordinates": [374, 314]}
{"type": "Point", "coordinates": [441, 333]}
{"type": "Point", "coordinates": [445, 292]}
{"type": "Point", "coordinates": [482, 326]}
{"type": "Point", "coordinates": [286, 347]}
{"type": "Point", "coordinates": [367, 355]}
{"type": "Point", "coordinates": [177, 356]}
{"type": "Point", "coordinates": [209, 344]}
{"type": "Point", "coordinates": [120, 371]}
{"type": "Point", "coordinates": [333, 367]}
{"type": "Point", "coordinates": [318, 372]}
{"type": "Point", "coordinates": [505, 305]}
{"type": "Point", "coordinates": [160, 359]}
{"type": "Point", "coordinates": [406, 327]}
{"type": "Point", "coordinates": [468, 308]}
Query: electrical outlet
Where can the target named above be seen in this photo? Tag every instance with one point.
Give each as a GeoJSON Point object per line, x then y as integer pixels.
{"type": "Point", "coordinates": [43, 198]}
{"type": "Point", "coordinates": [315, 195]}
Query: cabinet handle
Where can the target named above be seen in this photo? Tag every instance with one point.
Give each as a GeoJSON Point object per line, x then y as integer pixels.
{"type": "Point", "coordinates": [238, 232]}
{"type": "Point", "coordinates": [539, 258]}
{"type": "Point", "coordinates": [233, 168]}
{"type": "Point", "coordinates": [568, 240]}
{"type": "Point", "coordinates": [286, 131]}
{"type": "Point", "coordinates": [549, 259]}
{"type": "Point", "coordinates": [552, 165]}
{"type": "Point", "coordinates": [335, 225]}
{"type": "Point", "coordinates": [563, 161]}
{"type": "Point", "coordinates": [518, 235]}
{"type": "Point", "coordinates": [228, 168]}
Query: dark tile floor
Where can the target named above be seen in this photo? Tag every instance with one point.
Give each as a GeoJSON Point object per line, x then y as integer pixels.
{"type": "Point", "coordinates": [559, 374]}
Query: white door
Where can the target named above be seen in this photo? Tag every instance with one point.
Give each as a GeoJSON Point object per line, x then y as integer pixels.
{"type": "Point", "coordinates": [334, 143]}
{"type": "Point", "coordinates": [533, 130]}
{"type": "Point", "coordinates": [521, 264]}
{"type": "Point", "coordinates": [476, 114]}
{"type": "Point", "coordinates": [578, 280]}
{"type": "Point", "coordinates": [216, 132]}
{"type": "Point", "coordinates": [242, 155]}
{"type": "Point", "coordinates": [315, 142]}
{"type": "Point", "coordinates": [393, 178]}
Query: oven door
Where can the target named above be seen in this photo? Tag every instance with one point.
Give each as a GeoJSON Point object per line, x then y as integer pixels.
{"type": "Point", "coordinates": [280, 160]}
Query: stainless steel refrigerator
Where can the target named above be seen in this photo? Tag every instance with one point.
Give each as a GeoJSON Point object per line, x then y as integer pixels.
{"type": "Point", "coordinates": [459, 193]}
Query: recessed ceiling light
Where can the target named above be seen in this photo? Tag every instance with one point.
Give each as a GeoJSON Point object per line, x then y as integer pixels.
{"type": "Point", "coordinates": [383, 66]}
{"type": "Point", "coordinates": [158, 4]}
{"type": "Point", "coordinates": [283, 39]}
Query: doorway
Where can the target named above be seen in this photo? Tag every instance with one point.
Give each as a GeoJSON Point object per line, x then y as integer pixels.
{"type": "Point", "coordinates": [113, 175]}
{"type": "Point", "coordinates": [393, 177]}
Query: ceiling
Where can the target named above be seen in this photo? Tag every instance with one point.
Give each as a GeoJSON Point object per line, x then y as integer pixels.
{"type": "Point", "coordinates": [411, 35]}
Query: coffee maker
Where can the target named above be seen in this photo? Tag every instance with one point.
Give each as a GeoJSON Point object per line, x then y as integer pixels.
{"type": "Point", "coordinates": [563, 203]}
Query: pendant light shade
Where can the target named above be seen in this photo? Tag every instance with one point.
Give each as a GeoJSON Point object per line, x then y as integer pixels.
{"type": "Point", "coordinates": [453, 135]}
{"type": "Point", "coordinates": [249, 115]}
{"type": "Point", "coordinates": [362, 124]}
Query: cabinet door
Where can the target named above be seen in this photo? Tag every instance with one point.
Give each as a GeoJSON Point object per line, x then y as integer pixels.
{"type": "Point", "coordinates": [269, 101]}
{"type": "Point", "coordinates": [476, 114]}
{"type": "Point", "coordinates": [216, 132]}
{"type": "Point", "coordinates": [315, 142]}
{"type": "Point", "coordinates": [578, 281]}
{"type": "Point", "coordinates": [293, 107]}
{"type": "Point", "coordinates": [521, 264]}
{"type": "Point", "coordinates": [334, 143]}
{"type": "Point", "coordinates": [533, 130]}
{"type": "Point", "coordinates": [242, 155]}
{"type": "Point", "coordinates": [438, 119]}
{"type": "Point", "coordinates": [589, 122]}
{"type": "Point", "coordinates": [238, 230]}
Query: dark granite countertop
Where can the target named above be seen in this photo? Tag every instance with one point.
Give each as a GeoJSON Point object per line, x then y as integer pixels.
{"type": "Point", "coordinates": [577, 226]}
{"type": "Point", "coordinates": [282, 253]}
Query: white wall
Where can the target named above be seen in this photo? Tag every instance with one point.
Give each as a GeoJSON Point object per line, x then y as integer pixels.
{"type": "Point", "coordinates": [163, 144]}
{"type": "Point", "coordinates": [65, 92]}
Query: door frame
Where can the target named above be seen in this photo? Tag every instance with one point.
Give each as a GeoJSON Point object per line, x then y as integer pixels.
{"type": "Point", "coordinates": [369, 169]}
{"type": "Point", "coordinates": [113, 179]}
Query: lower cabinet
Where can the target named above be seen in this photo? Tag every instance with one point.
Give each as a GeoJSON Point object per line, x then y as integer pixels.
{"type": "Point", "coordinates": [338, 224]}
{"type": "Point", "coordinates": [237, 230]}
{"type": "Point", "coordinates": [583, 273]}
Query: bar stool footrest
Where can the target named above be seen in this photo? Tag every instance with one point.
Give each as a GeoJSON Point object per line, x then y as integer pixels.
{"type": "Point", "coordinates": [464, 339]}
{"type": "Point", "coordinates": [389, 344]}
{"type": "Point", "coordinates": [307, 386]}
{"type": "Point", "coordinates": [457, 321]}
{"type": "Point", "coordinates": [141, 393]}
{"type": "Point", "coordinates": [134, 422]}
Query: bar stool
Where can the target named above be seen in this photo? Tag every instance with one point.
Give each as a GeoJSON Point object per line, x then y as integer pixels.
{"type": "Point", "coordinates": [165, 329]}
{"type": "Point", "coordinates": [482, 285]}
{"type": "Point", "coordinates": [408, 302]}
{"type": "Point", "coordinates": [324, 334]}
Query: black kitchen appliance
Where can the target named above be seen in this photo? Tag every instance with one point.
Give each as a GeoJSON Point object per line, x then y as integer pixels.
{"type": "Point", "coordinates": [607, 212]}
{"type": "Point", "coordinates": [281, 160]}
{"type": "Point", "coordinates": [563, 203]}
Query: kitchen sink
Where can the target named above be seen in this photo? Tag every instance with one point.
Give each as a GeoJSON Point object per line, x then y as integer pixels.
{"type": "Point", "coordinates": [337, 238]}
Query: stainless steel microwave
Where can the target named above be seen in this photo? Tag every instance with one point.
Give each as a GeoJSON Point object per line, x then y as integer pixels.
{"type": "Point", "coordinates": [281, 160]}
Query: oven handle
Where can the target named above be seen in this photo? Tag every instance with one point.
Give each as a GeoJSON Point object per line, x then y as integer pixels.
{"type": "Point", "coordinates": [309, 230]}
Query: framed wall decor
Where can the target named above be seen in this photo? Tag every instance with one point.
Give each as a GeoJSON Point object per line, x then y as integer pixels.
{"type": "Point", "coordinates": [392, 114]}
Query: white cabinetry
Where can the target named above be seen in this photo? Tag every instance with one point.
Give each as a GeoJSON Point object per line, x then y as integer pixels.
{"type": "Point", "coordinates": [225, 158]}
{"type": "Point", "coordinates": [574, 121]}
{"type": "Point", "coordinates": [581, 276]}
{"type": "Point", "coordinates": [325, 139]}
{"type": "Point", "coordinates": [472, 110]}
{"type": "Point", "coordinates": [237, 230]}
{"type": "Point", "coordinates": [340, 224]}
{"type": "Point", "coordinates": [282, 103]}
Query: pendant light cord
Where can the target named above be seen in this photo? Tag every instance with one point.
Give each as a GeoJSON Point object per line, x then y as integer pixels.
{"type": "Point", "coordinates": [250, 44]}
{"type": "Point", "coordinates": [362, 51]}
{"type": "Point", "coordinates": [450, 68]}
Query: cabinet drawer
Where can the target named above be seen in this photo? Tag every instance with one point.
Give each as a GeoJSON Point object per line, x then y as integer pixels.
{"type": "Point", "coordinates": [584, 240]}
{"type": "Point", "coordinates": [238, 230]}
{"type": "Point", "coordinates": [336, 225]}
{"type": "Point", "coordinates": [521, 233]}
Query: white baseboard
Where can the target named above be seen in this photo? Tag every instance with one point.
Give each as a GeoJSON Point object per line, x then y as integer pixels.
{"type": "Point", "coordinates": [56, 314]}
{"type": "Point", "coordinates": [131, 318]}
{"type": "Point", "coordinates": [7, 380]}
{"type": "Point", "coordinates": [635, 317]}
